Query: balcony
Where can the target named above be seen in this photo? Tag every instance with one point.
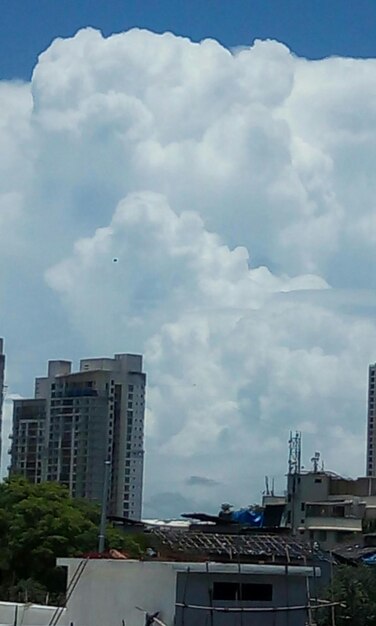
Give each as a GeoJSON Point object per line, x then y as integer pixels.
{"type": "Point", "coordinates": [346, 524]}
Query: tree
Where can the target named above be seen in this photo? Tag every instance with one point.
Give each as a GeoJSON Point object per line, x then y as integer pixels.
{"type": "Point", "coordinates": [355, 588]}
{"type": "Point", "coordinates": [39, 523]}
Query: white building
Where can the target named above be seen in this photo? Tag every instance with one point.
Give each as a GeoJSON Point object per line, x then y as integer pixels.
{"type": "Point", "coordinates": [122, 592]}
{"type": "Point", "coordinates": [77, 421]}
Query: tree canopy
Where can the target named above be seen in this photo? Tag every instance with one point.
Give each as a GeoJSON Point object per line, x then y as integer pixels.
{"type": "Point", "coordinates": [39, 523]}
{"type": "Point", "coordinates": [355, 588]}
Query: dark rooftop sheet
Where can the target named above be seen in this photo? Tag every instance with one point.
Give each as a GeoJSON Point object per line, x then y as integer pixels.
{"type": "Point", "coordinates": [231, 547]}
{"type": "Point", "coordinates": [353, 552]}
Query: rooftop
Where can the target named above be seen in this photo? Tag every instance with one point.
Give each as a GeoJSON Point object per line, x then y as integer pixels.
{"type": "Point", "coordinates": [358, 551]}
{"type": "Point", "coordinates": [250, 547]}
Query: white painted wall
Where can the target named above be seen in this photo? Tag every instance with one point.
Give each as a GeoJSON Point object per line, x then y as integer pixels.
{"type": "Point", "coordinates": [109, 591]}
{"type": "Point", "coordinates": [29, 614]}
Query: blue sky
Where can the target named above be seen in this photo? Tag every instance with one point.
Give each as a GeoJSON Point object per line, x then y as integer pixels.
{"type": "Point", "coordinates": [311, 28]}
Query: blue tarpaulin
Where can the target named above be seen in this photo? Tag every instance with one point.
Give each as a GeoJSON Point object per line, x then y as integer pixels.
{"type": "Point", "coordinates": [370, 559]}
{"type": "Point", "coordinates": [247, 516]}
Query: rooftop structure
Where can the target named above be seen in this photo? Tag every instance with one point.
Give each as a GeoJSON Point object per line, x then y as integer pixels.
{"type": "Point", "coordinates": [199, 578]}
{"type": "Point", "coordinates": [251, 547]}
{"type": "Point", "coordinates": [362, 550]}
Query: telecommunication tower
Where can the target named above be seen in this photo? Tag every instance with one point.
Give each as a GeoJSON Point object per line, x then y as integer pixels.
{"type": "Point", "coordinates": [295, 452]}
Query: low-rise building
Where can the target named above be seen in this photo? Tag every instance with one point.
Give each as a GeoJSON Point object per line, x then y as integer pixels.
{"type": "Point", "coordinates": [199, 578]}
{"type": "Point", "coordinates": [325, 507]}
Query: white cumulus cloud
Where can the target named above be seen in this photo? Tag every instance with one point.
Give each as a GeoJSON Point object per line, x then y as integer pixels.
{"type": "Point", "coordinates": [215, 211]}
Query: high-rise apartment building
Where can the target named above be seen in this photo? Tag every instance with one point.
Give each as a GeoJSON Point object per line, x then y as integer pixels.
{"type": "Point", "coordinates": [77, 421]}
{"type": "Point", "coordinates": [371, 417]}
{"type": "Point", "coordinates": [2, 374]}
{"type": "Point", "coordinates": [29, 417]}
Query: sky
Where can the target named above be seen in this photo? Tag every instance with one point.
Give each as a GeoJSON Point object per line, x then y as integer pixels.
{"type": "Point", "coordinates": [311, 28]}
{"type": "Point", "coordinates": [226, 159]}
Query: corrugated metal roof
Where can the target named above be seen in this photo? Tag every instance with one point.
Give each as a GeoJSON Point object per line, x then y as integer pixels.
{"type": "Point", "coordinates": [252, 547]}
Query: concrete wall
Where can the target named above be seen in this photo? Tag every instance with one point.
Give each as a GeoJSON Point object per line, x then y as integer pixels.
{"type": "Point", "coordinates": [17, 614]}
{"type": "Point", "coordinates": [196, 588]}
{"type": "Point", "coordinates": [110, 591]}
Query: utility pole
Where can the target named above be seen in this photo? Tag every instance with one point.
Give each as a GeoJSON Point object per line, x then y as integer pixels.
{"type": "Point", "coordinates": [102, 528]}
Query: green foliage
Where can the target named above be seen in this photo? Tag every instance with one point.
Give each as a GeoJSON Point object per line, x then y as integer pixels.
{"type": "Point", "coordinates": [355, 587]}
{"type": "Point", "coordinates": [39, 523]}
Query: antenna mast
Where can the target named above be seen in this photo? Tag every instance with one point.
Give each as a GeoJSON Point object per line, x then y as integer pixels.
{"type": "Point", "coordinates": [295, 452]}
{"type": "Point", "coordinates": [315, 461]}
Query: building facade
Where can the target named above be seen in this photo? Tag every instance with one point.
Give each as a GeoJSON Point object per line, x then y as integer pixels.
{"type": "Point", "coordinates": [325, 507]}
{"type": "Point", "coordinates": [79, 420]}
{"type": "Point", "coordinates": [29, 418]}
{"type": "Point", "coordinates": [2, 377]}
{"type": "Point", "coordinates": [371, 416]}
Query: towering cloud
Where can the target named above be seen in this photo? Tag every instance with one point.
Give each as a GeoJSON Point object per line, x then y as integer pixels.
{"type": "Point", "coordinates": [214, 210]}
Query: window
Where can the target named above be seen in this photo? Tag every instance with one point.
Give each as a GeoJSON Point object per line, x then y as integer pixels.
{"type": "Point", "coordinates": [338, 511]}
{"type": "Point", "coordinates": [251, 592]}
{"type": "Point", "coordinates": [226, 591]}
{"type": "Point", "coordinates": [318, 480]}
{"type": "Point", "coordinates": [303, 506]}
